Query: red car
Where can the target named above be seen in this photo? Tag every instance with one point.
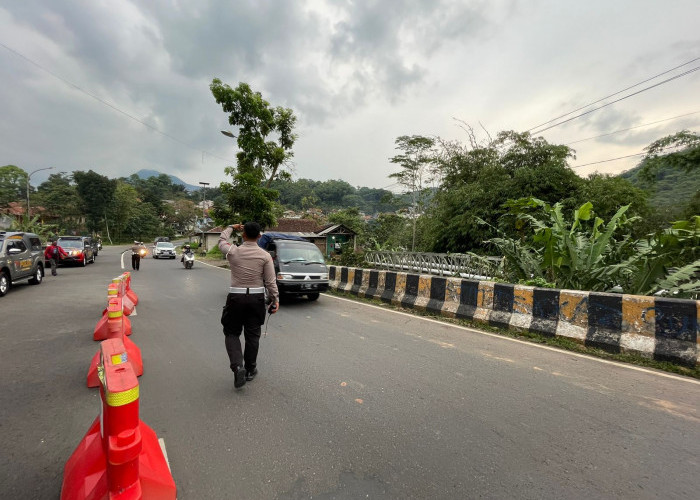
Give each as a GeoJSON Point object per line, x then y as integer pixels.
{"type": "Point", "coordinates": [78, 248]}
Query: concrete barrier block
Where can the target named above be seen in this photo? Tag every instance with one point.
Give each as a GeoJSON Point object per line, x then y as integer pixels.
{"type": "Point", "coordinates": [423, 296]}
{"type": "Point", "coordinates": [676, 331]}
{"type": "Point", "coordinates": [545, 311]}
{"type": "Point", "coordinates": [436, 295]}
{"type": "Point", "coordinates": [411, 291]}
{"type": "Point", "coordinates": [573, 315]}
{"type": "Point", "coordinates": [333, 277]}
{"type": "Point", "coordinates": [357, 281]}
{"type": "Point", "coordinates": [372, 284]}
{"type": "Point", "coordinates": [638, 325]}
{"type": "Point", "coordinates": [522, 307]}
{"type": "Point", "coordinates": [604, 321]}
{"type": "Point", "coordinates": [400, 290]}
{"type": "Point", "coordinates": [484, 301]}
{"type": "Point", "coordinates": [452, 297]}
{"type": "Point", "coordinates": [502, 311]}
{"type": "Point", "coordinates": [468, 298]}
{"type": "Point", "coordinates": [350, 280]}
{"type": "Point", "coordinates": [389, 286]}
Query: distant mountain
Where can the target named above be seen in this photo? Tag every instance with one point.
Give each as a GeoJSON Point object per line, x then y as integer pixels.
{"type": "Point", "coordinates": [145, 174]}
{"type": "Point", "coordinates": [673, 187]}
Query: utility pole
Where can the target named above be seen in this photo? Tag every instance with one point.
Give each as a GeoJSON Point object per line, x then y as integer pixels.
{"type": "Point", "coordinates": [204, 204]}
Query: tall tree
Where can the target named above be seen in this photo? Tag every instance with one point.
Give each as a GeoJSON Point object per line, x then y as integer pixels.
{"type": "Point", "coordinates": [259, 157]}
{"type": "Point", "coordinates": [13, 184]}
{"type": "Point", "coordinates": [59, 196]}
{"type": "Point", "coordinates": [417, 161]}
{"type": "Point", "coordinates": [256, 120]}
{"type": "Point", "coordinates": [97, 194]}
{"type": "Point", "coordinates": [478, 179]}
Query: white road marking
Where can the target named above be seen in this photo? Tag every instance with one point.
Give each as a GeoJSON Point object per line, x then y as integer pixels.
{"type": "Point", "coordinates": [161, 442]}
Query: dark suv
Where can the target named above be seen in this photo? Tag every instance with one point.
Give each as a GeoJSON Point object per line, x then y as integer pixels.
{"type": "Point", "coordinates": [79, 249]}
{"type": "Point", "coordinates": [21, 258]}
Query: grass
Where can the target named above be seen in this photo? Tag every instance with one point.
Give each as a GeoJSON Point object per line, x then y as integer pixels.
{"type": "Point", "coordinates": [558, 342]}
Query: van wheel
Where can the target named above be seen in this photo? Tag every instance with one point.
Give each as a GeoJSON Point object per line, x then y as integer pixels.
{"type": "Point", "coordinates": [38, 276]}
{"type": "Point", "coordinates": [4, 283]}
{"type": "Point", "coordinates": [312, 296]}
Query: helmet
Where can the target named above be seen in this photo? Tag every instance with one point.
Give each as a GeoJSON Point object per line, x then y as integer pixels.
{"type": "Point", "coordinates": [186, 247]}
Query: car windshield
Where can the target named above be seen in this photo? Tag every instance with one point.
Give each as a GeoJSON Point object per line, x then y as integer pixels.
{"type": "Point", "coordinates": [70, 243]}
{"type": "Point", "coordinates": [1, 244]}
{"type": "Point", "coordinates": [165, 245]}
{"type": "Point", "coordinates": [292, 252]}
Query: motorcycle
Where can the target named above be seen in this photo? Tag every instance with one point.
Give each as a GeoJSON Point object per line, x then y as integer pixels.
{"type": "Point", "coordinates": [188, 260]}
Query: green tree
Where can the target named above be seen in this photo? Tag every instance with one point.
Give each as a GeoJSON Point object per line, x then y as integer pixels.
{"type": "Point", "coordinates": [59, 196]}
{"type": "Point", "coordinates": [97, 194]}
{"type": "Point", "coordinates": [13, 184]}
{"type": "Point", "coordinates": [417, 160]}
{"type": "Point", "coordinates": [680, 151]}
{"type": "Point", "coordinates": [256, 120]}
{"type": "Point", "coordinates": [124, 206]}
{"type": "Point", "coordinates": [477, 181]}
{"type": "Point", "coordinates": [258, 157]}
{"type": "Point", "coordinates": [389, 232]}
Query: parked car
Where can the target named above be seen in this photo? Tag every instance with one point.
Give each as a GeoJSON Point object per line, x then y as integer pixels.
{"type": "Point", "coordinates": [299, 265]}
{"type": "Point", "coordinates": [164, 249]}
{"type": "Point", "coordinates": [78, 248]}
{"type": "Point", "coordinates": [21, 258]}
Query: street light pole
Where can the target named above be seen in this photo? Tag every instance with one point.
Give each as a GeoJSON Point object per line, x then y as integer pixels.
{"type": "Point", "coordinates": [29, 177]}
{"type": "Point", "coordinates": [204, 204]}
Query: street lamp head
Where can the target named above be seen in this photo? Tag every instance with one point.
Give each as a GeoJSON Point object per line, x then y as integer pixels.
{"type": "Point", "coordinates": [227, 133]}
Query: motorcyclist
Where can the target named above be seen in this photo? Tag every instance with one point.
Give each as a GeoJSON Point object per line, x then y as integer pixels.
{"type": "Point", "coordinates": [186, 249]}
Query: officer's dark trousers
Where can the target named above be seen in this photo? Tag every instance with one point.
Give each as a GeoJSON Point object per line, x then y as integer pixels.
{"type": "Point", "coordinates": [243, 312]}
{"type": "Point", "coordinates": [135, 261]}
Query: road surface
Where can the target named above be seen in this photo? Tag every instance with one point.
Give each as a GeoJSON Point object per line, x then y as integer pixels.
{"type": "Point", "coordinates": [352, 401]}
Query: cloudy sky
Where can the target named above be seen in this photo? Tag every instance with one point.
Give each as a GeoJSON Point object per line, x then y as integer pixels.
{"type": "Point", "coordinates": [119, 86]}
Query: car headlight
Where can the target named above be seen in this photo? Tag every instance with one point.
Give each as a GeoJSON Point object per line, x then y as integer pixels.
{"type": "Point", "coordinates": [281, 276]}
{"type": "Point", "coordinates": [324, 276]}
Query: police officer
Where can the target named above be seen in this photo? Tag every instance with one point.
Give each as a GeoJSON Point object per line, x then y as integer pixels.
{"type": "Point", "coordinates": [252, 273]}
{"type": "Point", "coordinates": [136, 255]}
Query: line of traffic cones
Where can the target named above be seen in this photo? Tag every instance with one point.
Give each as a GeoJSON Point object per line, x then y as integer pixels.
{"type": "Point", "coordinates": [120, 456]}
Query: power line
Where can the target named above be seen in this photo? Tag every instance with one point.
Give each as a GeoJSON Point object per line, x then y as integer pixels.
{"type": "Point", "coordinates": [614, 94]}
{"type": "Point", "coordinates": [102, 101]}
{"type": "Point", "coordinates": [617, 100]}
{"type": "Point", "coordinates": [671, 149]}
{"type": "Point", "coordinates": [631, 128]}
{"type": "Point", "coordinates": [606, 161]}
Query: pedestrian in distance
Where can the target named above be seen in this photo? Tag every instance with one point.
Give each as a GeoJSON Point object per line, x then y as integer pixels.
{"type": "Point", "coordinates": [53, 254]}
{"type": "Point", "coordinates": [252, 274]}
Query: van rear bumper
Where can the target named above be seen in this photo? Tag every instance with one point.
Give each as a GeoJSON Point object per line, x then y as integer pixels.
{"type": "Point", "coordinates": [301, 287]}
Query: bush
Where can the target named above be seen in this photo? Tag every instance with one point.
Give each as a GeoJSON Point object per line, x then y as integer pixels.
{"type": "Point", "coordinates": [215, 253]}
{"type": "Point", "coordinates": [352, 259]}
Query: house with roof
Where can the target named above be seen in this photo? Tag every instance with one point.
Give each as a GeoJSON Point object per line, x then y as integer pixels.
{"type": "Point", "coordinates": [328, 238]}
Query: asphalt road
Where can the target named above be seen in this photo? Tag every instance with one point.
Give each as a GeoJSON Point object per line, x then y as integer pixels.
{"type": "Point", "coordinates": [352, 401]}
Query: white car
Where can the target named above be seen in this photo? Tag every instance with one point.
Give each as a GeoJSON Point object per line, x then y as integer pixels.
{"type": "Point", "coordinates": [164, 249]}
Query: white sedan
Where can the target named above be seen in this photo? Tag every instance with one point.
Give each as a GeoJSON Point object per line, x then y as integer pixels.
{"type": "Point", "coordinates": [164, 249]}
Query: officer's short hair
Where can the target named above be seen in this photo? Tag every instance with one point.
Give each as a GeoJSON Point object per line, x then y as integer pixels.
{"type": "Point", "coordinates": [251, 229]}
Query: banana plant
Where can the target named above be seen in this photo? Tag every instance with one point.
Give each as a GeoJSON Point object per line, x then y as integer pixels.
{"type": "Point", "coordinates": [570, 254]}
